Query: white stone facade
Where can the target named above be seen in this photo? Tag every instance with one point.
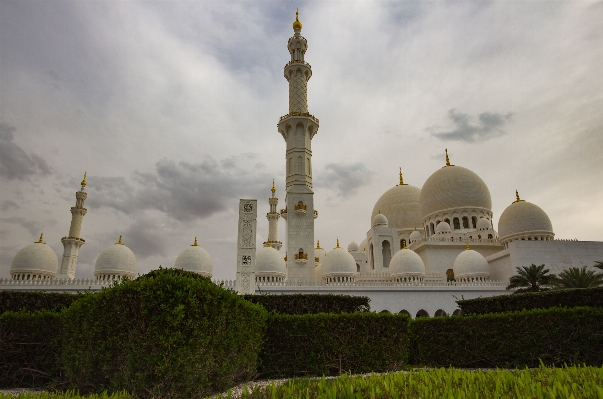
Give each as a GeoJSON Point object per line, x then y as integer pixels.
{"type": "Point", "coordinates": [246, 246]}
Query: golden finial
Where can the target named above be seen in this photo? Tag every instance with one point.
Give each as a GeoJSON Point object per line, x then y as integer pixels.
{"type": "Point", "coordinates": [297, 24]}
{"type": "Point", "coordinates": [195, 243]}
{"type": "Point", "coordinates": [517, 199]}
{"type": "Point", "coordinates": [337, 243]}
{"type": "Point", "coordinates": [40, 241]}
{"type": "Point", "coordinates": [401, 179]}
{"type": "Point", "coordinates": [273, 189]}
{"type": "Point", "coordinates": [467, 246]}
{"type": "Point", "coordinates": [119, 241]}
{"type": "Point", "coordinates": [447, 159]}
{"type": "Point", "coordinates": [403, 244]}
{"type": "Point", "coordinates": [83, 183]}
{"type": "Point", "coordinates": [318, 244]}
{"type": "Point", "coordinates": [267, 243]}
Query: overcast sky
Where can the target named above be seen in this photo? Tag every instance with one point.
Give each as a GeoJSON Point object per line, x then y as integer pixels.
{"type": "Point", "coordinates": [171, 107]}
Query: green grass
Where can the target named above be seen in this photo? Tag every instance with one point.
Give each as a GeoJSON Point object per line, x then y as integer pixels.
{"type": "Point", "coordinates": [543, 382]}
{"type": "Point", "coordinates": [67, 395]}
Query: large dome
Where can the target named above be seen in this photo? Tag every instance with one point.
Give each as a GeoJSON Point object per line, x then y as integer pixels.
{"type": "Point", "coordinates": [116, 261]}
{"type": "Point", "coordinates": [338, 263]}
{"type": "Point", "coordinates": [36, 259]}
{"type": "Point", "coordinates": [270, 263]}
{"type": "Point", "coordinates": [522, 219]}
{"type": "Point", "coordinates": [470, 264]}
{"type": "Point", "coordinates": [400, 205]}
{"type": "Point", "coordinates": [453, 187]}
{"type": "Point", "coordinates": [406, 263]}
{"type": "Point", "coordinates": [195, 259]}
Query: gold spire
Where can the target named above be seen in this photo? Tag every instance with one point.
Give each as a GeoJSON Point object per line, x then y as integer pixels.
{"type": "Point", "coordinates": [318, 244]}
{"type": "Point", "coordinates": [195, 243]}
{"type": "Point", "coordinates": [119, 241]}
{"type": "Point", "coordinates": [337, 243]}
{"type": "Point", "coordinates": [40, 241]}
{"type": "Point", "coordinates": [467, 246]}
{"type": "Point", "coordinates": [267, 243]}
{"type": "Point", "coordinates": [404, 244]}
{"type": "Point", "coordinates": [447, 159]}
{"type": "Point", "coordinates": [517, 199]}
{"type": "Point", "coordinates": [273, 189]}
{"type": "Point", "coordinates": [83, 183]}
{"type": "Point", "coordinates": [297, 24]}
{"type": "Point", "coordinates": [401, 178]}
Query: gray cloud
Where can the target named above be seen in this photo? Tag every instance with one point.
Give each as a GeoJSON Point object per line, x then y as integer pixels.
{"type": "Point", "coordinates": [182, 190]}
{"type": "Point", "coordinates": [34, 227]}
{"type": "Point", "coordinates": [8, 204]}
{"type": "Point", "coordinates": [14, 161]}
{"type": "Point", "coordinates": [488, 126]}
{"type": "Point", "coordinates": [346, 178]}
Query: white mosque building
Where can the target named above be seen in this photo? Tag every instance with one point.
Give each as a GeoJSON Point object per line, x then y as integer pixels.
{"type": "Point", "coordinates": [424, 247]}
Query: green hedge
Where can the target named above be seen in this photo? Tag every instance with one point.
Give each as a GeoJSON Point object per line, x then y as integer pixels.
{"type": "Point", "coordinates": [29, 349]}
{"type": "Point", "coordinates": [164, 335]}
{"type": "Point", "coordinates": [328, 344]}
{"type": "Point", "coordinates": [311, 303]}
{"type": "Point", "coordinates": [592, 297]}
{"type": "Point", "coordinates": [33, 301]}
{"type": "Point", "coordinates": [516, 339]}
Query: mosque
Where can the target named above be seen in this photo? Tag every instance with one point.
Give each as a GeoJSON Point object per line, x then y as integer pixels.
{"type": "Point", "coordinates": [424, 247]}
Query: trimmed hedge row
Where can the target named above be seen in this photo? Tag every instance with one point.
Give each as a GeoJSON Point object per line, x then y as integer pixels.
{"type": "Point", "coordinates": [574, 297]}
{"type": "Point", "coordinates": [516, 339]}
{"type": "Point", "coordinates": [33, 301]}
{"type": "Point", "coordinates": [165, 335]}
{"type": "Point", "coordinates": [29, 349]}
{"type": "Point", "coordinates": [329, 344]}
{"type": "Point", "coordinates": [311, 303]}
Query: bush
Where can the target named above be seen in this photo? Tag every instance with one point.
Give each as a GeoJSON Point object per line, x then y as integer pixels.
{"type": "Point", "coordinates": [515, 339]}
{"type": "Point", "coordinates": [35, 300]}
{"type": "Point", "coordinates": [311, 303]}
{"type": "Point", "coordinates": [164, 335]}
{"type": "Point", "coordinates": [328, 344]}
{"type": "Point", "coordinates": [592, 297]}
{"type": "Point", "coordinates": [28, 349]}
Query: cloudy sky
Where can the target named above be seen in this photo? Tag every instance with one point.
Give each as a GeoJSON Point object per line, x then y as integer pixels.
{"type": "Point", "coordinates": [171, 107]}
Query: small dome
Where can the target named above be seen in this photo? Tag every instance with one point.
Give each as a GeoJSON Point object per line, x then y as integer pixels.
{"type": "Point", "coordinates": [453, 187]}
{"type": "Point", "coordinates": [443, 228]}
{"type": "Point", "coordinates": [523, 218]}
{"type": "Point", "coordinates": [270, 262]}
{"type": "Point", "coordinates": [400, 204]}
{"type": "Point", "coordinates": [483, 224]}
{"type": "Point", "coordinates": [470, 264]}
{"type": "Point", "coordinates": [406, 263]}
{"type": "Point", "coordinates": [379, 220]}
{"type": "Point", "coordinates": [117, 260]}
{"type": "Point", "coordinates": [363, 246]}
{"type": "Point", "coordinates": [339, 262]}
{"type": "Point", "coordinates": [36, 259]}
{"type": "Point", "coordinates": [195, 259]}
{"type": "Point", "coordinates": [353, 247]}
{"type": "Point", "coordinates": [415, 236]}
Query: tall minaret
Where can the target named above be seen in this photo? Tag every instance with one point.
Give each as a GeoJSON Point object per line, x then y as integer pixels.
{"type": "Point", "coordinates": [73, 242]}
{"type": "Point", "coordinates": [297, 128]}
{"type": "Point", "coordinates": [273, 217]}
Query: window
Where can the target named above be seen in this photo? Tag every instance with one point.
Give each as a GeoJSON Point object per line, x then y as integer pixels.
{"type": "Point", "coordinates": [456, 223]}
{"type": "Point", "coordinates": [386, 252]}
{"type": "Point", "coordinates": [465, 222]}
{"type": "Point", "coordinates": [474, 221]}
{"type": "Point", "coordinates": [447, 221]}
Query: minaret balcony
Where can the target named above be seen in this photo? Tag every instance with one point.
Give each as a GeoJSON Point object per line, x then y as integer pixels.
{"type": "Point", "coordinates": [301, 258]}
{"type": "Point", "coordinates": [301, 209]}
{"type": "Point", "coordinates": [307, 114]}
{"type": "Point", "coordinates": [73, 238]}
{"type": "Point", "coordinates": [295, 62]}
{"type": "Point", "coordinates": [315, 213]}
{"type": "Point", "coordinates": [284, 213]}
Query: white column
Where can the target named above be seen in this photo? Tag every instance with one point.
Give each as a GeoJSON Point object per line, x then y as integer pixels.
{"type": "Point", "coordinates": [246, 246]}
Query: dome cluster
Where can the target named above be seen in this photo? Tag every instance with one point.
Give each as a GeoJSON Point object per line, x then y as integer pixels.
{"type": "Point", "coordinates": [115, 262]}
{"type": "Point", "coordinates": [339, 266]}
{"type": "Point", "coordinates": [269, 265]}
{"type": "Point", "coordinates": [406, 265]}
{"type": "Point", "coordinates": [523, 220]}
{"type": "Point", "coordinates": [35, 261]}
{"type": "Point", "coordinates": [195, 259]}
{"type": "Point", "coordinates": [470, 265]}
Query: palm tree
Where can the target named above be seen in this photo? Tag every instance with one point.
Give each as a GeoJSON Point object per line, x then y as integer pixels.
{"type": "Point", "coordinates": [531, 278]}
{"type": "Point", "coordinates": [599, 264]}
{"type": "Point", "coordinates": [576, 277]}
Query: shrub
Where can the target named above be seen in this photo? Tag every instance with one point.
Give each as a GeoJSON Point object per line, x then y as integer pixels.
{"type": "Point", "coordinates": [35, 300]}
{"type": "Point", "coordinates": [166, 334]}
{"type": "Point", "coordinates": [534, 300]}
{"type": "Point", "coordinates": [28, 349]}
{"type": "Point", "coordinates": [328, 344]}
{"type": "Point", "coordinates": [514, 339]}
{"type": "Point", "coordinates": [311, 303]}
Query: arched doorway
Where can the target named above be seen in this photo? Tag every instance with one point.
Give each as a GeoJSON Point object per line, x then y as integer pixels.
{"type": "Point", "coordinates": [386, 252]}
{"type": "Point", "coordinates": [439, 313]}
{"type": "Point", "coordinates": [404, 311]}
{"type": "Point", "coordinates": [422, 313]}
{"type": "Point", "coordinates": [457, 312]}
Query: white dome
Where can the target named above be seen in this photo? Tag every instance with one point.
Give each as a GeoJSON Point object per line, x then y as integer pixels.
{"type": "Point", "coordinates": [443, 228]}
{"type": "Point", "coordinates": [470, 264]}
{"type": "Point", "coordinates": [363, 246]}
{"type": "Point", "coordinates": [270, 262]}
{"type": "Point", "coordinates": [453, 187]}
{"type": "Point", "coordinates": [379, 220]}
{"type": "Point", "coordinates": [406, 263]}
{"type": "Point", "coordinates": [415, 236]}
{"type": "Point", "coordinates": [353, 247]}
{"type": "Point", "coordinates": [521, 219]}
{"type": "Point", "coordinates": [117, 260]}
{"type": "Point", "coordinates": [400, 204]}
{"type": "Point", "coordinates": [338, 262]}
{"type": "Point", "coordinates": [483, 224]}
{"type": "Point", "coordinates": [195, 259]}
{"type": "Point", "coordinates": [36, 259]}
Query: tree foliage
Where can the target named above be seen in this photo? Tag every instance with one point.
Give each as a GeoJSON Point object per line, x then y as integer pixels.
{"type": "Point", "coordinates": [531, 278]}
{"type": "Point", "coordinates": [576, 277]}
